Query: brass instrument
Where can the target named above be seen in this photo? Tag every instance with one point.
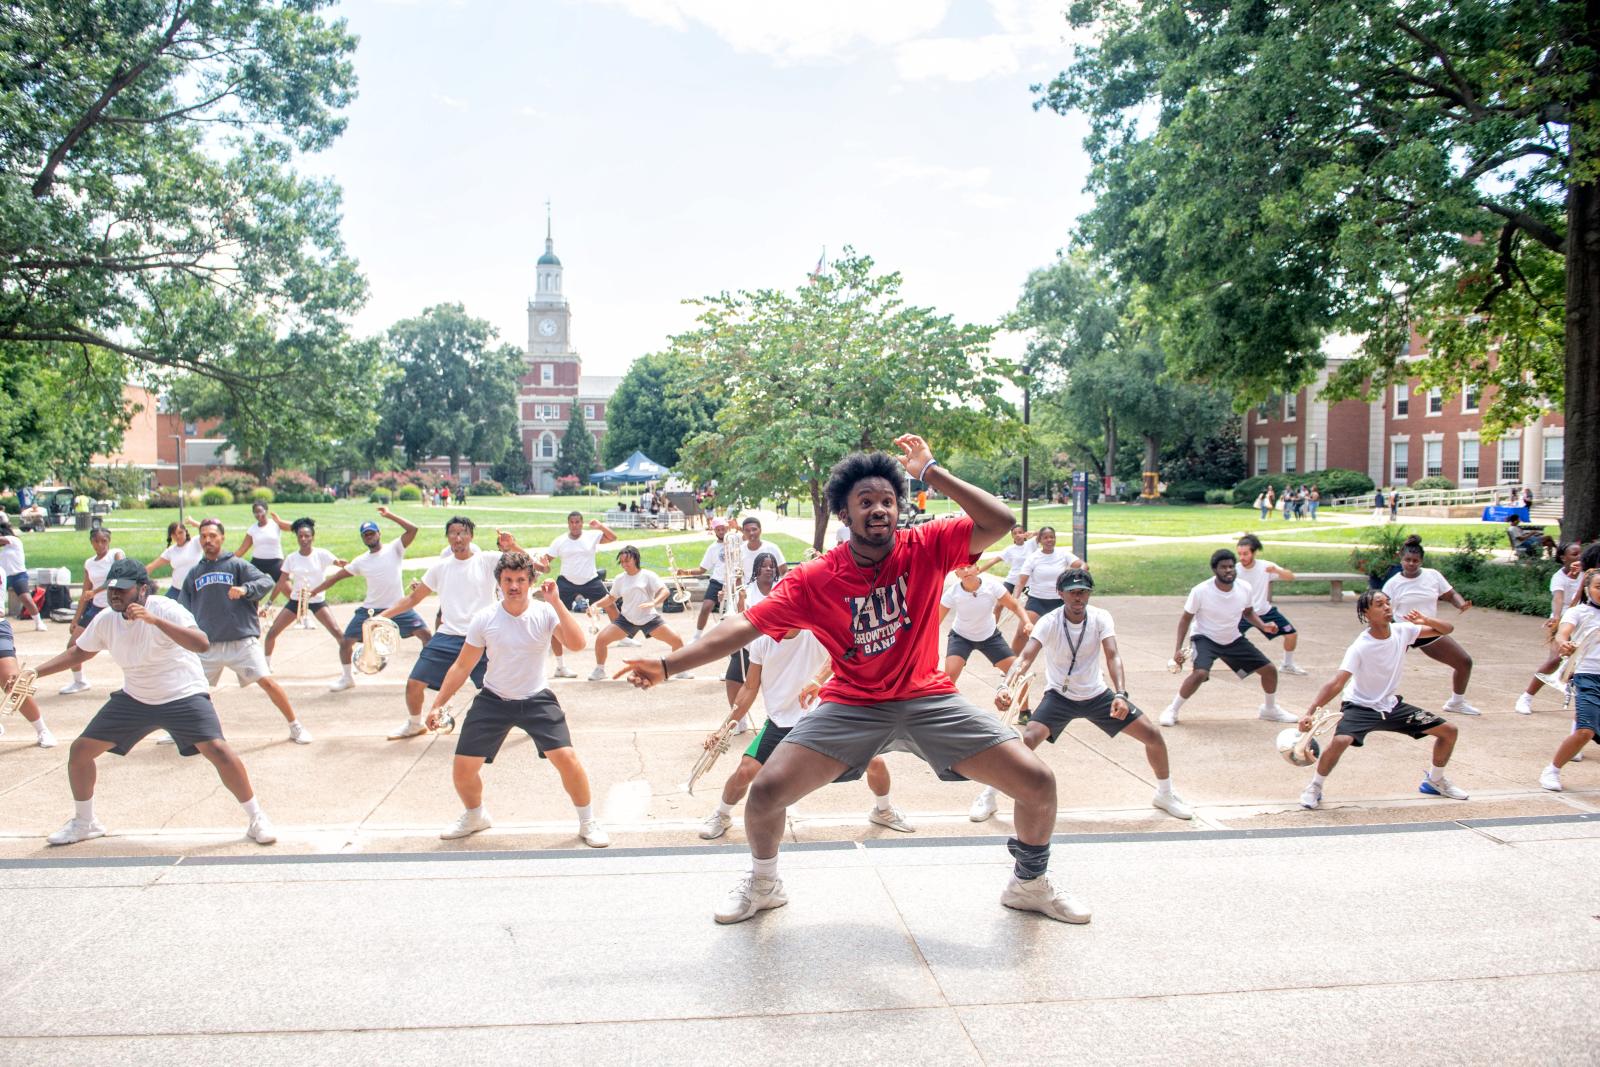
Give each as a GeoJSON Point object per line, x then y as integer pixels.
{"type": "Point", "coordinates": [708, 756]}
{"type": "Point", "coordinates": [1562, 675]}
{"type": "Point", "coordinates": [1301, 749]}
{"type": "Point", "coordinates": [21, 689]}
{"type": "Point", "coordinates": [1185, 654]}
{"type": "Point", "coordinates": [733, 573]}
{"type": "Point", "coordinates": [809, 554]}
{"type": "Point", "coordinates": [380, 639]}
{"type": "Point", "coordinates": [442, 720]}
{"type": "Point", "coordinates": [1017, 689]}
{"type": "Point", "coordinates": [301, 599]}
{"type": "Point", "coordinates": [680, 595]}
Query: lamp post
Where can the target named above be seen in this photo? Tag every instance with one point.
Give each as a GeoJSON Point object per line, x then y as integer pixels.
{"type": "Point", "coordinates": [178, 437]}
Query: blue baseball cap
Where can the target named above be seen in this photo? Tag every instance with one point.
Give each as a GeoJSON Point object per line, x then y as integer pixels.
{"type": "Point", "coordinates": [369, 527]}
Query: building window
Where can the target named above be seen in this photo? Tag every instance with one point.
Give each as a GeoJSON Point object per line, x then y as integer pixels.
{"type": "Point", "coordinates": [1264, 410]}
{"type": "Point", "coordinates": [1510, 461]}
{"type": "Point", "coordinates": [551, 412]}
{"type": "Point", "coordinates": [1435, 401]}
{"type": "Point", "coordinates": [1555, 452]}
{"type": "Point", "coordinates": [547, 446]}
{"type": "Point", "coordinates": [1291, 456]}
{"type": "Point", "coordinates": [1469, 461]}
{"type": "Point", "coordinates": [189, 429]}
{"type": "Point", "coordinates": [1291, 407]}
{"type": "Point", "coordinates": [588, 411]}
{"type": "Point", "coordinates": [547, 374]}
{"type": "Point", "coordinates": [1402, 401]}
{"type": "Point", "coordinates": [1399, 462]}
{"type": "Point", "coordinates": [1261, 457]}
{"type": "Point", "coordinates": [1432, 458]}
{"type": "Point", "coordinates": [1469, 399]}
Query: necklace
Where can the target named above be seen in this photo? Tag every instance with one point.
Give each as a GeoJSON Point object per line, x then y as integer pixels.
{"type": "Point", "coordinates": [1073, 646]}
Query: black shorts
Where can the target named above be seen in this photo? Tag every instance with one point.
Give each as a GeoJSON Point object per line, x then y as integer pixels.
{"type": "Point", "coordinates": [1357, 722]}
{"type": "Point", "coordinates": [491, 718]}
{"type": "Point", "coordinates": [1041, 607]}
{"type": "Point", "coordinates": [634, 629]}
{"type": "Point", "coordinates": [1243, 658]}
{"type": "Point", "coordinates": [766, 741]}
{"type": "Point", "coordinates": [738, 666]}
{"type": "Point", "coordinates": [438, 656]}
{"type": "Point", "coordinates": [1011, 587]}
{"type": "Point", "coordinates": [1424, 642]}
{"type": "Point", "coordinates": [311, 608]}
{"type": "Point", "coordinates": [592, 590]}
{"type": "Point", "coordinates": [713, 591]}
{"type": "Point", "coordinates": [125, 722]}
{"type": "Point", "coordinates": [88, 615]}
{"type": "Point", "coordinates": [272, 568]}
{"type": "Point", "coordinates": [1056, 711]}
{"type": "Point", "coordinates": [994, 647]}
{"type": "Point", "coordinates": [8, 641]}
{"type": "Point", "coordinates": [1285, 627]}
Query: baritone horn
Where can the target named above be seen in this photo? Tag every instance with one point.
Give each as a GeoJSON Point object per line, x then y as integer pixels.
{"type": "Point", "coordinates": [680, 595]}
{"type": "Point", "coordinates": [21, 689]}
{"type": "Point", "coordinates": [380, 639]}
{"type": "Point", "coordinates": [1301, 749]}
{"type": "Point", "coordinates": [715, 746]}
{"type": "Point", "coordinates": [733, 568]}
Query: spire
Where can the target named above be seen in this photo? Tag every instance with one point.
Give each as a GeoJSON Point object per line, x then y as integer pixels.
{"type": "Point", "coordinates": [549, 257]}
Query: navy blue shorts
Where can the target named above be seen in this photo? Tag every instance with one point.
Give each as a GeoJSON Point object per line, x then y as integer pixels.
{"type": "Point", "coordinates": [593, 590]}
{"type": "Point", "coordinates": [439, 655]}
{"type": "Point", "coordinates": [1585, 702]}
{"type": "Point", "coordinates": [1041, 607]}
{"type": "Point", "coordinates": [738, 666]}
{"type": "Point", "coordinates": [8, 641]}
{"type": "Point", "coordinates": [1056, 710]}
{"type": "Point", "coordinates": [125, 722]}
{"type": "Point", "coordinates": [18, 583]}
{"type": "Point", "coordinates": [88, 615]}
{"type": "Point", "coordinates": [408, 621]}
{"type": "Point", "coordinates": [1272, 614]}
{"type": "Point", "coordinates": [994, 647]}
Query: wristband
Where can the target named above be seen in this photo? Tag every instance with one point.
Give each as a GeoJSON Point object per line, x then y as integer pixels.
{"type": "Point", "coordinates": [926, 467]}
{"type": "Point", "coordinates": [663, 661]}
{"type": "Point", "coordinates": [1121, 694]}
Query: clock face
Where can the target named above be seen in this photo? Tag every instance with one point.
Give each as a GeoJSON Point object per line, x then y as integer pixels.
{"type": "Point", "coordinates": [547, 327]}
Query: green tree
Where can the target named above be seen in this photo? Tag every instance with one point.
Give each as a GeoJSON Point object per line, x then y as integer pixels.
{"type": "Point", "coordinates": [1274, 172]}
{"type": "Point", "coordinates": [512, 469]}
{"type": "Point", "coordinates": [148, 206]}
{"type": "Point", "coordinates": [452, 394]}
{"type": "Point", "coordinates": [63, 404]}
{"type": "Point", "coordinates": [654, 410]}
{"type": "Point", "coordinates": [841, 363]}
{"type": "Point", "coordinates": [577, 456]}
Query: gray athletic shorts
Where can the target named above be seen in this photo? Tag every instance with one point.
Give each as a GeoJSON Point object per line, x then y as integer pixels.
{"type": "Point", "coordinates": [243, 657]}
{"type": "Point", "coordinates": [942, 730]}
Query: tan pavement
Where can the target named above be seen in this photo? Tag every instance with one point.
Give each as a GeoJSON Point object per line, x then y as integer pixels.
{"type": "Point", "coordinates": [354, 791]}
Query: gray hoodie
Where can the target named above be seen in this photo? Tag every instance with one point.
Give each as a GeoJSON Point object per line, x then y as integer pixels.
{"type": "Point", "coordinates": [205, 594]}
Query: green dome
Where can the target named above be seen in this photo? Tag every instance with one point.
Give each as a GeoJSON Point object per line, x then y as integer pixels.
{"type": "Point", "coordinates": [549, 260]}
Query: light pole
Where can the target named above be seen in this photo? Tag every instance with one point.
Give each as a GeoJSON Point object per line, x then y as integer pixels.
{"type": "Point", "coordinates": [1027, 385]}
{"type": "Point", "coordinates": [178, 437]}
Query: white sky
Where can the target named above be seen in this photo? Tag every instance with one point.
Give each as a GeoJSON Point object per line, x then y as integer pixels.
{"type": "Point", "coordinates": [692, 146]}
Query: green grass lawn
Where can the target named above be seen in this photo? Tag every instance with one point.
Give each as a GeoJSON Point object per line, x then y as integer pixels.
{"type": "Point", "coordinates": [1170, 570]}
{"type": "Point", "coordinates": [1431, 533]}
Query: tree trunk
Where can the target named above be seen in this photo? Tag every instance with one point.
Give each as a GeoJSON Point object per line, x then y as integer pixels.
{"type": "Point", "coordinates": [1581, 509]}
{"type": "Point", "coordinates": [1110, 469]}
{"type": "Point", "coordinates": [819, 514]}
{"type": "Point", "coordinates": [1152, 454]}
{"type": "Point", "coordinates": [455, 465]}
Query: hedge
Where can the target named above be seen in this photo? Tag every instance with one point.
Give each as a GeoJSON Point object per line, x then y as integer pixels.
{"type": "Point", "coordinates": [261, 495]}
{"type": "Point", "coordinates": [1438, 481]}
{"type": "Point", "coordinates": [408, 492]}
{"type": "Point", "coordinates": [215, 496]}
{"type": "Point", "coordinates": [1330, 483]}
{"type": "Point", "coordinates": [487, 487]}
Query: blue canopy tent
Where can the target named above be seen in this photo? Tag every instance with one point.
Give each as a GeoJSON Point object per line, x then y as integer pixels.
{"type": "Point", "coordinates": [636, 468]}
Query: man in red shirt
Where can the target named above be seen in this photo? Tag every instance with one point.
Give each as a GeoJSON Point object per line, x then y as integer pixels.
{"type": "Point", "coordinates": [873, 603]}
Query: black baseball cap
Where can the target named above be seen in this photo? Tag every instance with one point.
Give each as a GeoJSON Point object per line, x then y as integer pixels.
{"type": "Point", "coordinates": [1076, 578]}
{"type": "Point", "coordinates": [127, 573]}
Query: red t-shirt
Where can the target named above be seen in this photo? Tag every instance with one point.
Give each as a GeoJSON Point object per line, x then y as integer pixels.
{"type": "Point", "coordinates": [879, 625]}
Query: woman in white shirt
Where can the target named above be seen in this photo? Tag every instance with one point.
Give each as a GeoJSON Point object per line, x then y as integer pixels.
{"type": "Point", "coordinates": [304, 569]}
{"type": "Point", "coordinates": [1419, 588]}
{"type": "Point", "coordinates": [1036, 584]}
{"type": "Point", "coordinates": [181, 554]}
{"type": "Point", "coordinates": [1578, 626]}
{"type": "Point", "coordinates": [263, 542]}
{"type": "Point", "coordinates": [638, 595]}
{"type": "Point", "coordinates": [1563, 587]}
{"type": "Point", "coordinates": [93, 600]}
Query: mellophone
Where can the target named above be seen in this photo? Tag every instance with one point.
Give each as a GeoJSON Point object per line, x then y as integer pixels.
{"type": "Point", "coordinates": [733, 565]}
{"type": "Point", "coordinates": [1301, 749]}
{"type": "Point", "coordinates": [26, 683]}
{"type": "Point", "coordinates": [1562, 675]}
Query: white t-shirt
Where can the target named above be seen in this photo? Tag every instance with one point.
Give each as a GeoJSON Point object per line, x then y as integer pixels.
{"type": "Point", "coordinates": [465, 587]}
{"type": "Point", "coordinates": [1421, 593]}
{"type": "Point", "coordinates": [1077, 676]}
{"type": "Point", "coordinates": [1375, 666]}
{"type": "Point", "coordinates": [381, 569]}
{"type": "Point", "coordinates": [266, 541]}
{"type": "Point", "coordinates": [1584, 617]}
{"type": "Point", "coordinates": [753, 595]}
{"type": "Point", "coordinates": [306, 572]}
{"type": "Point", "coordinates": [155, 668]}
{"type": "Point", "coordinates": [1561, 582]}
{"type": "Point", "coordinates": [636, 593]}
{"type": "Point", "coordinates": [1260, 580]}
{"type": "Point", "coordinates": [972, 614]}
{"type": "Point", "coordinates": [747, 556]}
{"type": "Point", "coordinates": [182, 558]}
{"type": "Point", "coordinates": [1015, 555]}
{"type": "Point", "coordinates": [841, 535]}
{"type": "Point", "coordinates": [13, 560]}
{"type": "Point", "coordinates": [577, 555]}
{"type": "Point", "coordinates": [95, 571]}
{"type": "Point", "coordinates": [516, 646]}
{"type": "Point", "coordinates": [712, 564]}
{"type": "Point", "coordinates": [1043, 568]}
{"type": "Point", "coordinates": [1217, 614]}
{"type": "Point", "coordinates": [786, 667]}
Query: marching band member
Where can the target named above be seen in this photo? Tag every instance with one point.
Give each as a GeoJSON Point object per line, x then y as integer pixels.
{"type": "Point", "coordinates": [1023, 544]}
{"type": "Point", "coordinates": [1036, 580]}
{"type": "Point", "coordinates": [1215, 608]}
{"type": "Point", "coordinates": [264, 542]}
{"type": "Point", "coordinates": [759, 583]}
{"type": "Point", "coordinates": [1564, 587]}
{"type": "Point", "coordinates": [155, 640]}
{"type": "Point", "coordinates": [380, 565]}
{"type": "Point", "coordinates": [92, 601]}
{"type": "Point", "coordinates": [1369, 677]}
{"type": "Point", "coordinates": [1577, 623]}
{"type": "Point", "coordinates": [638, 595]}
{"type": "Point", "coordinates": [514, 636]}
{"type": "Point", "coordinates": [976, 600]}
{"type": "Point", "coordinates": [716, 571]}
{"type": "Point", "coordinates": [753, 546]}
{"type": "Point", "coordinates": [303, 569]}
{"type": "Point", "coordinates": [9, 670]}
{"type": "Point", "coordinates": [181, 554]}
{"type": "Point", "coordinates": [14, 569]}
{"type": "Point", "coordinates": [579, 575]}
{"type": "Point", "coordinates": [1078, 689]}
{"type": "Point", "coordinates": [1259, 574]}
{"type": "Point", "coordinates": [1419, 588]}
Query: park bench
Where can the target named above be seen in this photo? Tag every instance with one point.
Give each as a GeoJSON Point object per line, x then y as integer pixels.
{"type": "Point", "coordinates": [1335, 580]}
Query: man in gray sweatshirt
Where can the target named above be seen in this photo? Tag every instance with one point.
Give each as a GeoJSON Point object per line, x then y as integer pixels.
{"type": "Point", "coordinates": [222, 591]}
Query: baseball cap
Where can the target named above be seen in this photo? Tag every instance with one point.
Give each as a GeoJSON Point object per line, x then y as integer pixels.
{"type": "Point", "coordinates": [127, 573]}
{"type": "Point", "coordinates": [369, 527]}
{"type": "Point", "coordinates": [1077, 578]}
{"type": "Point", "coordinates": [719, 523]}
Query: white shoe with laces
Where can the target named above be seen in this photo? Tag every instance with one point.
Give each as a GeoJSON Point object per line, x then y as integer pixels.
{"type": "Point", "coordinates": [1172, 804]}
{"type": "Point", "coordinates": [341, 683]}
{"type": "Point", "coordinates": [563, 672]}
{"type": "Point", "coordinates": [1524, 705]}
{"type": "Point", "coordinates": [260, 830]}
{"type": "Point", "coordinates": [749, 896]}
{"type": "Point", "coordinates": [598, 674]}
{"type": "Point", "coordinates": [74, 687]}
{"type": "Point", "coordinates": [593, 834]}
{"type": "Point", "coordinates": [894, 819]}
{"type": "Point", "coordinates": [1460, 707]}
{"type": "Point", "coordinates": [468, 822]}
{"type": "Point", "coordinates": [984, 805]}
{"type": "Point", "coordinates": [44, 738]}
{"type": "Point", "coordinates": [743, 726]}
{"type": "Point", "coordinates": [1311, 797]}
{"type": "Point", "coordinates": [1169, 715]}
{"type": "Point", "coordinates": [299, 734]}
{"type": "Point", "coordinates": [716, 825]}
{"type": "Point", "coordinates": [1441, 787]}
{"type": "Point", "coordinates": [1045, 897]}
{"type": "Point", "coordinates": [38, 625]}
{"type": "Point", "coordinates": [1291, 668]}
{"type": "Point", "coordinates": [408, 729]}
{"type": "Point", "coordinates": [626, 642]}
{"type": "Point", "coordinates": [76, 831]}
{"type": "Point", "coordinates": [1550, 778]}
{"type": "Point", "coordinates": [1276, 714]}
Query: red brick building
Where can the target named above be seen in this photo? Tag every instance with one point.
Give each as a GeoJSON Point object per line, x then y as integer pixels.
{"type": "Point", "coordinates": [157, 437]}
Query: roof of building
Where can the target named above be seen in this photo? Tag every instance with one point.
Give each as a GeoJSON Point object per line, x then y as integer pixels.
{"type": "Point", "coordinates": [549, 260]}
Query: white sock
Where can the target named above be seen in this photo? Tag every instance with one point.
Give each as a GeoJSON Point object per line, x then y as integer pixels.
{"type": "Point", "coordinates": [1435, 773]}
{"type": "Point", "coordinates": [1318, 778]}
{"type": "Point", "coordinates": [561, 661]}
{"type": "Point", "coordinates": [83, 810]}
{"type": "Point", "coordinates": [1271, 700]}
{"type": "Point", "coordinates": [414, 720]}
{"type": "Point", "coordinates": [1288, 658]}
{"type": "Point", "coordinates": [475, 811]}
{"type": "Point", "coordinates": [77, 676]}
{"type": "Point", "coordinates": [252, 807]}
{"type": "Point", "coordinates": [1163, 785]}
{"type": "Point", "coordinates": [882, 802]}
{"type": "Point", "coordinates": [38, 726]}
{"type": "Point", "coordinates": [1177, 702]}
{"type": "Point", "coordinates": [348, 676]}
{"type": "Point", "coordinates": [724, 808]}
{"type": "Point", "coordinates": [696, 636]}
{"type": "Point", "coordinates": [1552, 769]}
{"type": "Point", "coordinates": [585, 812]}
{"type": "Point", "coordinates": [1456, 700]}
{"type": "Point", "coordinates": [761, 868]}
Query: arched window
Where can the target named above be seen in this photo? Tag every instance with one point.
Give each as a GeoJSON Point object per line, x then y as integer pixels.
{"type": "Point", "coordinates": [547, 446]}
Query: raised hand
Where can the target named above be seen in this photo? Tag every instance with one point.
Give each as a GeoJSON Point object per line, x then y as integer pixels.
{"type": "Point", "coordinates": [916, 454]}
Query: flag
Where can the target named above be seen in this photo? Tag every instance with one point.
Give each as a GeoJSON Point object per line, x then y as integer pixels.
{"type": "Point", "coordinates": [822, 262]}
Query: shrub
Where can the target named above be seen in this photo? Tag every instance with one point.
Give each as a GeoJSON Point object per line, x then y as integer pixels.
{"type": "Point", "coordinates": [238, 483]}
{"type": "Point", "coordinates": [215, 496]}
{"type": "Point", "coordinates": [360, 487]}
{"type": "Point", "coordinates": [567, 485]}
{"type": "Point", "coordinates": [1438, 481]}
{"type": "Point", "coordinates": [1187, 492]}
{"type": "Point", "coordinates": [380, 496]}
{"type": "Point", "coordinates": [1382, 558]}
{"type": "Point", "coordinates": [10, 504]}
{"type": "Point", "coordinates": [1330, 483]}
{"type": "Point", "coordinates": [261, 495]}
{"type": "Point", "coordinates": [1219, 496]}
{"type": "Point", "coordinates": [410, 493]}
{"type": "Point", "coordinates": [1522, 586]}
{"type": "Point", "coordinates": [296, 487]}
{"type": "Point", "coordinates": [131, 503]}
{"type": "Point", "coordinates": [164, 498]}
{"type": "Point", "coordinates": [488, 487]}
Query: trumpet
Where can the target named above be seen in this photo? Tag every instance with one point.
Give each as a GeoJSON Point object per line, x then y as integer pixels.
{"type": "Point", "coordinates": [26, 682]}
{"type": "Point", "coordinates": [709, 755]}
{"type": "Point", "coordinates": [1185, 654]}
{"type": "Point", "coordinates": [380, 639]}
{"type": "Point", "coordinates": [442, 720]}
{"type": "Point", "coordinates": [1562, 675]}
{"type": "Point", "coordinates": [733, 568]}
{"type": "Point", "coordinates": [1301, 749]}
{"type": "Point", "coordinates": [680, 595]}
{"type": "Point", "coordinates": [301, 598]}
{"type": "Point", "coordinates": [1017, 689]}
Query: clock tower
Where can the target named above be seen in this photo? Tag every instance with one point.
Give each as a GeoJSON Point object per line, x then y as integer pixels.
{"type": "Point", "coordinates": [549, 318]}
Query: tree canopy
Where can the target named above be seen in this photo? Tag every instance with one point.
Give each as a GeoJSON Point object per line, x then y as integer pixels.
{"type": "Point", "coordinates": [61, 406]}
{"type": "Point", "coordinates": [654, 410]}
{"type": "Point", "coordinates": [577, 456]}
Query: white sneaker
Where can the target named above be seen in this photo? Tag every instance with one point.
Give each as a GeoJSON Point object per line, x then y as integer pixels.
{"type": "Point", "coordinates": [1311, 797]}
{"type": "Point", "coordinates": [1524, 705]}
{"type": "Point", "coordinates": [1577, 758]}
{"type": "Point", "coordinates": [73, 687]}
{"type": "Point", "coordinates": [45, 739]}
{"type": "Point", "coordinates": [76, 831]}
{"type": "Point", "coordinates": [1550, 778]}
{"type": "Point", "coordinates": [598, 674]}
{"type": "Point", "coordinates": [260, 830]}
{"type": "Point", "coordinates": [1045, 897]}
{"type": "Point", "coordinates": [687, 676]}
{"type": "Point", "coordinates": [626, 642]}
{"type": "Point", "coordinates": [298, 733]}
{"type": "Point", "coordinates": [1291, 668]}
{"type": "Point", "coordinates": [38, 624]}
{"type": "Point", "coordinates": [1276, 714]}
{"type": "Point", "coordinates": [466, 823]}
{"type": "Point", "coordinates": [341, 683]}
{"type": "Point", "coordinates": [410, 729]}
{"type": "Point", "coordinates": [1460, 707]}
{"type": "Point", "coordinates": [743, 726]}
{"type": "Point", "coordinates": [1169, 715]}
{"type": "Point", "coordinates": [894, 819]}
{"type": "Point", "coordinates": [749, 896]}
{"type": "Point", "coordinates": [1442, 787]}
{"type": "Point", "coordinates": [562, 672]}
{"type": "Point", "coordinates": [1173, 805]}
{"type": "Point", "coordinates": [593, 834]}
{"type": "Point", "coordinates": [716, 825]}
{"type": "Point", "coordinates": [984, 805]}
